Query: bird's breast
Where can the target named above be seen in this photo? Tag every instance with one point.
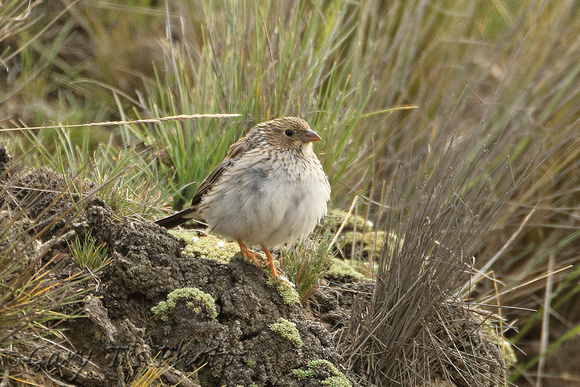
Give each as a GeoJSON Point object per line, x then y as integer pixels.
{"type": "Point", "coordinates": [268, 200]}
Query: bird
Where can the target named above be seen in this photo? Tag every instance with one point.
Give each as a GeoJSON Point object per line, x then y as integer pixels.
{"type": "Point", "coordinates": [269, 190]}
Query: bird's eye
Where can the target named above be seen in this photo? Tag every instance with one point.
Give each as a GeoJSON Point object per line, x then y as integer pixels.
{"type": "Point", "coordinates": [289, 132]}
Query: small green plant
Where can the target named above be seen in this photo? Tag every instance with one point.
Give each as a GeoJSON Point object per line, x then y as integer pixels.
{"type": "Point", "coordinates": [198, 301]}
{"type": "Point", "coordinates": [87, 254]}
{"type": "Point", "coordinates": [307, 262]}
{"type": "Point", "coordinates": [287, 330]}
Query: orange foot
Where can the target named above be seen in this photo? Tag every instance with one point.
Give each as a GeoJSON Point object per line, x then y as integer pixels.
{"type": "Point", "coordinates": [270, 261]}
{"type": "Point", "coordinates": [247, 253]}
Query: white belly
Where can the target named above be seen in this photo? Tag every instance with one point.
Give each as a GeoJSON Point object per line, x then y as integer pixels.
{"type": "Point", "coordinates": [264, 202]}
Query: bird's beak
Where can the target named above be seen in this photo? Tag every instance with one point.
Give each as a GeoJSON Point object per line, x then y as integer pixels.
{"type": "Point", "coordinates": [310, 136]}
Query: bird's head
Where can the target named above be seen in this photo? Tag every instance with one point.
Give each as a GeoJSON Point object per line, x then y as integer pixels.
{"type": "Point", "coordinates": [288, 133]}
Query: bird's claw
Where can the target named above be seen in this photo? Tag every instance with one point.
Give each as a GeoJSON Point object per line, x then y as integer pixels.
{"type": "Point", "coordinates": [247, 253]}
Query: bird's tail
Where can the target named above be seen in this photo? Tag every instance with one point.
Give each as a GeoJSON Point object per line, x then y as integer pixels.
{"type": "Point", "coordinates": [178, 218]}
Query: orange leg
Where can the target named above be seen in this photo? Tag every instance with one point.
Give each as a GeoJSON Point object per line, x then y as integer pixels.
{"type": "Point", "coordinates": [247, 253]}
{"type": "Point", "coordinates": [270, 261]}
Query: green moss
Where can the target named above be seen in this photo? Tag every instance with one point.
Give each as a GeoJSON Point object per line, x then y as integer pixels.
{"type": "Point", "coordinates": [161, 310]}
{"type": "Point", "coordinates": [302, 374]}
{"type": "Point", "coordinates": [490, 333]}
{"type": "Point", "coordinates": [198, 301]}
{"type": "Point", "coordinates": [322, 362]}
{"type": "Point", "coordinates": [368, 244]}
{"type": "Point", "coordinates": [285, 289]}
{"type": "Point", "coordinates": [336, 217]}
{"type": "Point", "coordinates": [336, 380]}
{"type": "Point", "coordinates": [206, 246]}
{"type": "Point", "coordinates": [341, 269]}
{"type": "Point", "coordinates": [507, 351]}
{"type": "Point", "coordinates": [367, 238]}
{"type": "Point", "coordinates": [287, 330]}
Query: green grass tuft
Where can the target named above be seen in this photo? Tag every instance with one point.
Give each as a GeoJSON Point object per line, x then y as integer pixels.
{"type": "Point", "coordinates": [87, 254]}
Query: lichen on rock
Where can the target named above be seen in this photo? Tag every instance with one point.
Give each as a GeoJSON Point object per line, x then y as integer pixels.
{"type": "Point", "coordinates": [206, 246]}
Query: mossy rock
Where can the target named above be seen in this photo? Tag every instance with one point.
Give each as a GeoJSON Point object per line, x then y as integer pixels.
{"type": "Point", "coordinates": [335, 218]}
{"type": "Point", "coordinates": [489, 330]}
{"type": "Point", "coordinates": [343, 270]}
{"type": "Point", "coordinates": [368, 244]}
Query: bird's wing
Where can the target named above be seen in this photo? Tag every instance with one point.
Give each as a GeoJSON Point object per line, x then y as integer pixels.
{"type": "Point", "coordinates": [235, 151]}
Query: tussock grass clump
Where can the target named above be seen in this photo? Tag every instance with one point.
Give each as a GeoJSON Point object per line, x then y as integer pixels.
{"type": "Point", "coordinates": [442, 218]}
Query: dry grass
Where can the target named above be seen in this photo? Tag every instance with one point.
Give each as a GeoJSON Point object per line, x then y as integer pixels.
{"type": "Point", "coordinates": [441, 215]}
{"type": "Point", "coordinates": [35, 280]}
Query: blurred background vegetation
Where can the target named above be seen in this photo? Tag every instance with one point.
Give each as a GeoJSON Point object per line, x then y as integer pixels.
{"type": "Point", "coordinates": [488, 91]}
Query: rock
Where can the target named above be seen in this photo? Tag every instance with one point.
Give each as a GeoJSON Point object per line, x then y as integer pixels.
{"type": "Point", "coordinates": [213, 318]}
